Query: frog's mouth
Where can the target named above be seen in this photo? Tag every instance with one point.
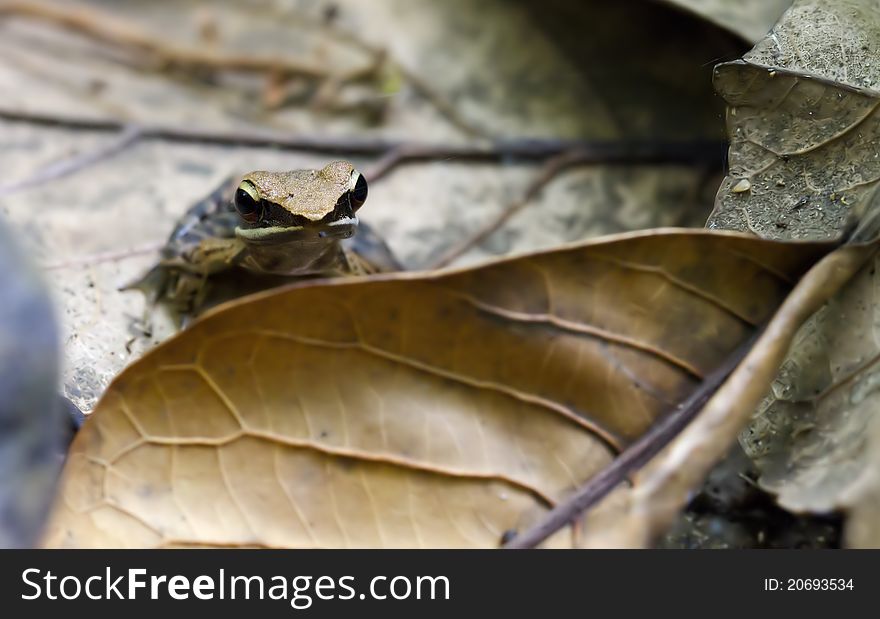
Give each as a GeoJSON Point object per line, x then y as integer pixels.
{"type": "Point", "coordinates": [342, 228]}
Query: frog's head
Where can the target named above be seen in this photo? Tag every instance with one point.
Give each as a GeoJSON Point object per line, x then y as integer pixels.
{"type": "Point", "coordinates": [301, 206]}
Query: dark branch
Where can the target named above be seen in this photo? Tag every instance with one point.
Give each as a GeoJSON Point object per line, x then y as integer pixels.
{"type": "Point", "coordinates": [551, 170]}
{"type": "Point", "coordinates": [74, 164]}
{"type": "Point", "coordinates": [392, 153]}
{"type": "Point", "coordinates": [633, 457]}
{"type": "Point", "coordinates": [703, 152]}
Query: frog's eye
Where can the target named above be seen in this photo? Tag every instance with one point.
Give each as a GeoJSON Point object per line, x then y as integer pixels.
{"type": "Point", "coordinates": [357, 190]}
{"type": "Point", "coordinates": [247, 202]}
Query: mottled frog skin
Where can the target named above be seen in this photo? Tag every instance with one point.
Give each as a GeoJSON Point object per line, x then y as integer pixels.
{"type": "Point", "coordinates": [271, 227]}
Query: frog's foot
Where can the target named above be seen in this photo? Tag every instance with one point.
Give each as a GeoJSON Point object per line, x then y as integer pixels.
{"type": "Point", "coordinates": [189, 295]}
{"type": "Point", "coordinates": [141, 327]}
{"type": "Point", "coordinates": [171, 283]}
{"type": "Point", "coordinates": [182, 294]}
{"type": "Point", "coordinates": [181, 282]}
{"type": "Point", "coordinates": [152, 284]}
{"type": "Point", "coordinates": [355, 264]}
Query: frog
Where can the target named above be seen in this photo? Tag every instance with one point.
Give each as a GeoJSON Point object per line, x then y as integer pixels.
{"type": "Point", "coordinates": [267, 228]}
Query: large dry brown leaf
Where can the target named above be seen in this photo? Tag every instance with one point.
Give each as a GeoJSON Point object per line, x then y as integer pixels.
{"type": "Point", "coordinates": [440, 409]}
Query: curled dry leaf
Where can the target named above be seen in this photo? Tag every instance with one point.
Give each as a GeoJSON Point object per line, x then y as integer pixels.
{"type": "Point", "coordinates": [816, 438]}
{"type": "Point", "coordinates": [863, 498]}
{"type": "Point", "coordinates": [428, 410]}
{"type": "Point", "coordinates": [810, 436]}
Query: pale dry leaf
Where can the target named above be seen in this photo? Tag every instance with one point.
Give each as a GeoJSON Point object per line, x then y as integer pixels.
{"type": "Point", "coordinates": [750, 19]}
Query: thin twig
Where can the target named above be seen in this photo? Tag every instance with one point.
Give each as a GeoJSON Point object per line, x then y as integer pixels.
{"type": "Point", "coordinates": [707, 154]}
{"type": "Point", "coordinates": [109, 256]}
{"type": "Point", "coordinates": [633, 457]}
{"type": "Point", "coordinates": [66, 167]}
{"type": "Point", "coordinates": [526, 149]}
{"type": "Point", "coordinates": [703, 152]}
{"type": "Point", "coordinates": [101, 26]}
{"type": "Point", "coordinates": [393, 153]}
{"type": "Point", "coordinates": [550, 170]}
{"type": "Point", "coordinates": [422, 86]}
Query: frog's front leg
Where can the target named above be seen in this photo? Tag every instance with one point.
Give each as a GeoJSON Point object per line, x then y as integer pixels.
{"type": "Point", "coordinates": [193, 268]}
{"type": "Point", "coordinates": [213, 255]}
{"type": "Point", "coordinates": [182, 281]}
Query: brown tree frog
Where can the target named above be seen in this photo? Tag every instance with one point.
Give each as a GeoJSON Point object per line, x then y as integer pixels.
{"type": "Point", "coordinates": [278, 224]}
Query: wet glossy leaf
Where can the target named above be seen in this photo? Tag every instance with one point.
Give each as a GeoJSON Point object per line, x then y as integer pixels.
{"type": "Point", "coordinates": [438, 409]}
{"type": "Point", "coordinates": [803, 123]}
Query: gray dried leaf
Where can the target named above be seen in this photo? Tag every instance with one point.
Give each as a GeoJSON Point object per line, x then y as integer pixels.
{"type": "Point", "coordinates": [803, 124]}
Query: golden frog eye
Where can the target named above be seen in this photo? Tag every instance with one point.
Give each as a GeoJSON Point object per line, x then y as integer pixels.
{"type": "Point", "coordinates": [247, 202]}
{"type": "Point", "coordinates": [357, 190]}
